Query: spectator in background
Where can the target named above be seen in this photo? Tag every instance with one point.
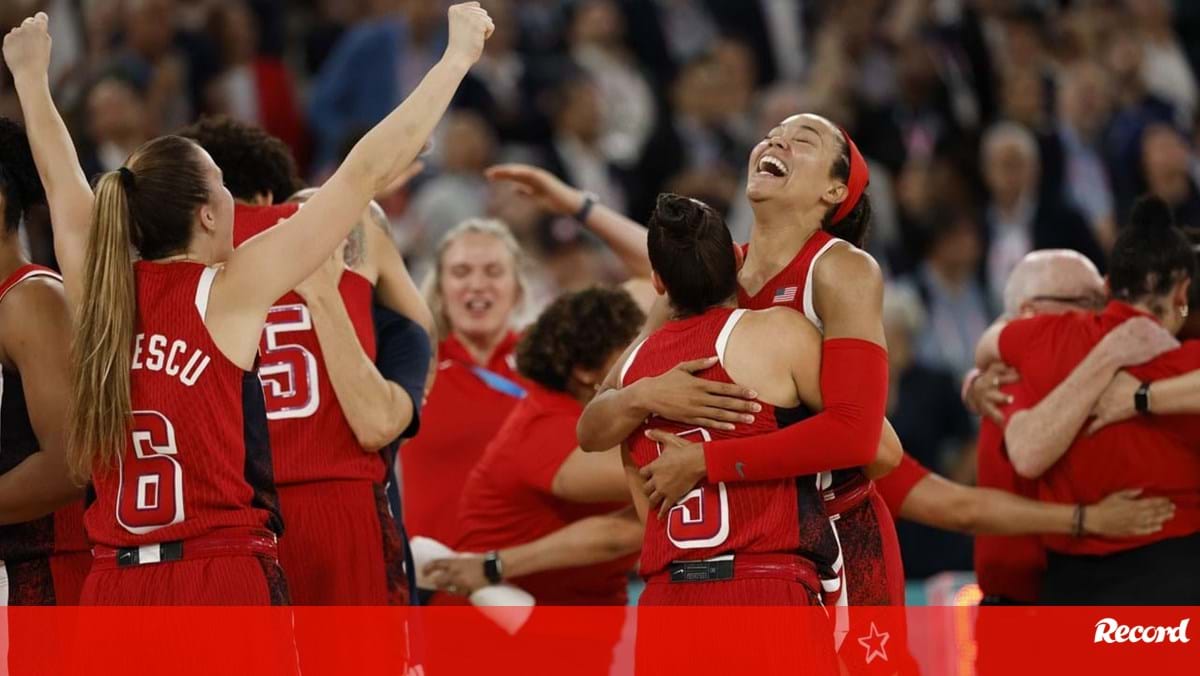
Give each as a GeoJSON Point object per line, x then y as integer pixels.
{"type": "Point", "coordinates": [1165, 68]}
{"type": "Point", "coordinates": [1073, 156]}
{"type": "Point", "coordinates": [252, 87]}
{"type": "Point", "coordinates": [575, 151]}
{"type": "Point", "coordinates": [1167, 164]}
{"type": "Point", "coordinates": [372, 68]}
{"type": "Point", "coordinates": [1016, 219]}
{"type": "Point", "coordinates": [943, 442]}
{"type": "Point", "coordinates": [955, 304]}
{"type": "Point", "coordinates": [458, 192]}
{"type": "Point", "coordinates": [119, 121]}
{"type": "Point", "coordinates": [596, 38]}
{"type": "Point", "coordinates": [1023, 98]}
{"type": "Point", "coordinates": [499, 87]}
{"type": "Point", "coordinates": [328, 23]}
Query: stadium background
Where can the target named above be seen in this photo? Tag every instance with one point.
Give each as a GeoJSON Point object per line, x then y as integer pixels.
{"type": "Point", "coordinates": [626, 98]}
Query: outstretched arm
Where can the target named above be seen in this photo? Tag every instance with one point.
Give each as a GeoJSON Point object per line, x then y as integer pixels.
{"type": "Point", "coordinates": [395, 286]}
{"type": "Point", "coordinates": [27, 52]}
{"type": "Point", "coordinates": [595, 539]}
{"type": "Point", "coordinates": [626, 238]}
{"type": "Point", "coordinates": [1037, 437]}
{"type": "Point", "coordinates": [1174, 396]}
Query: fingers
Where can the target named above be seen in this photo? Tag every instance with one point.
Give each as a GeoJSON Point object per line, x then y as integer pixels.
{"type": "Point", "coordinates": [665, 439]}
{"type": "Point", "coordinates": [997, 398]}
{"type": "Point", "coordinates": [731, 390]}
{"type": "Point", "coordinates": [664, 509]}
{"type": "Point", "coordinates": [992, 412]}
{"type": "Point", "coordinates": [697, 364]}
{"type": "Point", "coordinates": [1099, 423]}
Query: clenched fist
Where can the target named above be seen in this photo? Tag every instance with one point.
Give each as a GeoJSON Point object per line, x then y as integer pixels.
{"type": "Point", "coordinates": [470, 27]}
{"type": "Point", "coordinates": [27, 47]}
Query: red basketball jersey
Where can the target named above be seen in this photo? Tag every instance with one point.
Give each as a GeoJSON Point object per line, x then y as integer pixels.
{"type": "Point", "coordinates": [310, 437]}
{"type": "Point", "coordinates": [57, 533]}
{"type": "Point", "coordinates": [792, 287]}
{"type": "Point", "coordinates": [782, 516]}
{"type": "Point", "coordinates": [197, 458]}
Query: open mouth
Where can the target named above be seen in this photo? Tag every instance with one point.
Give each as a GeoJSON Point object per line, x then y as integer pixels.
{"type": "Point", "coordinates": [478, 306]}
{"type": "Point", "coordinates": [772, 166]}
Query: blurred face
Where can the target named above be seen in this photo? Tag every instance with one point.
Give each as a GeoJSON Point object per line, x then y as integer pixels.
{"type": "Point", "coordinates": [216, 217]}
{"type": "Point", "coordinates": [597, 21]}
{"type": "Point", "coordinates": [1164, 157]}
{"type": "Point", "coordinates": [1084, 99]}
{"type": "Point", "coordinates": [1008, 170]}
{"type": "Point", "coordinates": [151, 26]}
{"type": "Point", "coordinates": [581, 112]}
{"type": "Point", "coordinates": [479, 286]}
{"type": "Point", "coordinates": [792, 164]}
{"type": "Point", "coordinates": [468, 144]}
{"type": "Point", "coordinates": [114, 111]}
{"type": "Point", "coordinates": [1023, 97]}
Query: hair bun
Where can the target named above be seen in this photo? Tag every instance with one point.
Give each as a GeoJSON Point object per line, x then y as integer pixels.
{"type": "Point", "coordinates": [1150, 213]}
{"type": "Point", "coordinates": [677, 215]}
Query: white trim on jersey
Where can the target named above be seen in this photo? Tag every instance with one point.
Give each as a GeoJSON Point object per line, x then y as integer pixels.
{"type": "Point", "coordinates": [203, 289]}
{"type": "Point", "coordinates": [30, 275]}
{"type": "Point", "coordinates": [726, 331]}
{"type": "Point", "coordinates": [629, 362]}
{"type": "Point", "coordinates": [3, 585]}
{"type": "Point", "coordinates": [809, 309]}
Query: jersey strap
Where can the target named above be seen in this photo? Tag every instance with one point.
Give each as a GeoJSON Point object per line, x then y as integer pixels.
{"type": "Point", "coordinates": [25, 272]}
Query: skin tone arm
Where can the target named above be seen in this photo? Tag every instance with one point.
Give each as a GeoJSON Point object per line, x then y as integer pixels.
{"type": "Point", "coordinates": [591, 477]}
{"type": "Point", "coordinates": [626, 238]}
{"type": "Point", "coordinates": [67, 190]}
{"type": "Point", "coordinates": [377, 409]}
{"type": "Point", "coordinates": [592, 540]}
{"type": "Point", "coordinates": [940, 503]}
{"type": "Point", "coordinates": [1036, 438]}
{"type": "Point", "coordinates": [256, 275]}
{"type": "Point", "coordinates": [394, 287]}
{"type": "Point", "coordinates": [1174, 396]}
{"type": "Point", "coordinates": [37, 341]}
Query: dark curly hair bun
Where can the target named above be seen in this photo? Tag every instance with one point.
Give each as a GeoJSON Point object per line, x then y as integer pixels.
{"type": "Point", "coordinates": [1151, 255]}
{"type": "Point", "coordinates": [692, 251]}
{"type": "Point", "coordinates": [19, 182]}
{"type": "Point", "coordinates": [253, 161]}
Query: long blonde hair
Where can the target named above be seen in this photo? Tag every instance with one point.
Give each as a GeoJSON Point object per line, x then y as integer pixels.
{"type": "Point", "coordinates": [148, 205]}
{"type": "Point", "coordinates": [431, 288]}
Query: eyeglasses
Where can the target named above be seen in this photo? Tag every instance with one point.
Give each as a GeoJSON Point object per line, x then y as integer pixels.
{"type": "Point", "coordinates": [1081, 302]}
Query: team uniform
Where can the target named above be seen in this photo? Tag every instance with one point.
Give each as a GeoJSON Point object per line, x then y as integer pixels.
{"type": "Point", "coordinates": [44, 561]}
{"type": "Point", "coordinates": [508, 500]}
{"type": "Point", "coordinates": [188, 515]}
{"type": "Point", "coordinates": [342, 545]}
{"type": "Point", "coordinates": [465, 409]}
{"type": "Point", "coordinates": [872, 572]}
{"type": "Point", "coordinates": [761, 543]}
{"type": "Point", "coordinates": [1155, 453]}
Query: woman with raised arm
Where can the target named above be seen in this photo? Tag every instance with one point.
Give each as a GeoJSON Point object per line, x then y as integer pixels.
{"type": "Point", "coordinates": [168, 411]}
{"type": "Point", "coordinates": [44, 555]}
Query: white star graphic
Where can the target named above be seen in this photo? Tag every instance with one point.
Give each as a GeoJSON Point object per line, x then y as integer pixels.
{"type": "Point", "coordinates": [869, 642]}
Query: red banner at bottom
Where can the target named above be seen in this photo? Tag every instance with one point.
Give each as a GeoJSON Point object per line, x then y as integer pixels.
{"type": "Point", "coordinates": [935, 641]}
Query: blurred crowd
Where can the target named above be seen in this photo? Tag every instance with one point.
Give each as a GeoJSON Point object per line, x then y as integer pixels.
{"type": "Point", "coordinates": [993, 127]}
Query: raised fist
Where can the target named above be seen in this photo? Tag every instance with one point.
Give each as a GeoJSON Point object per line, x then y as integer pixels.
{"type": "Point", "coordinates": [470, 27]}
{"type": "Point", "coordinates": [27, 47]}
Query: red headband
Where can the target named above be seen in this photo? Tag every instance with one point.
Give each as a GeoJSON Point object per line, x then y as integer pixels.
{"type": "Point", "coordinates": [856, 183]}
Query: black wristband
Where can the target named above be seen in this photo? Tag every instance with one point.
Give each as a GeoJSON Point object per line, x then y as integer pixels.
{"type": "Point", "coordinates": [589, 201]}
{"type": "Point", "coordinates": [1141, 399]}
{"type": "Point", "coordinates": [1077, 526]}
{"type": "Point", "coordinates": [493, 570]}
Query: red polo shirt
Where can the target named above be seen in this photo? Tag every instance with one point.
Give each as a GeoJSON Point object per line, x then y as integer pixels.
{"type": "Point", "coordinates": [464, 411]}
{"type": "Point", "coordinates": [1157, 453]}
{"type": "Point", "coordinates": [1008, 566]}
{"type": "Point", "coordinates": [508, 500]}
{"type": "Point", "coordinates": [898, 483]}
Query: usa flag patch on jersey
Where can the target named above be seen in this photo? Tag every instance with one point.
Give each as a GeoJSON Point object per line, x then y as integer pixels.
{"type": "Point", "coordinates": [786, 294]}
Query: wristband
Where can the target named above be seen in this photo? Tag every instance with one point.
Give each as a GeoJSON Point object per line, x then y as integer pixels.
{"type": "Point", "coordinates": [585, 209]}
{"type": "Point", "coordinates": [493, 568]}
{"type": "Point", "coordinates": [1077, 525]}
{"type": "Point", "coordinates": [1141, 399]}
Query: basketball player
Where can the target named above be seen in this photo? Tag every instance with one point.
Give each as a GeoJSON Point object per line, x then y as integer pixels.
{"type": "Point", "coordinates": [185, 508]}
{"type": "Point", "coordinates": [44, 555]}
{"type": "Point", "coordinates": [329, 409]}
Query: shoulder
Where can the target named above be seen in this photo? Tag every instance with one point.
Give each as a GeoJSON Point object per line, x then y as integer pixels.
{"type": "Point", "coordinates": [772, 322]}
{"type": "Point", "coordinates": [34, 310]}
{"type": "Point", "coordinates": [847, 266]}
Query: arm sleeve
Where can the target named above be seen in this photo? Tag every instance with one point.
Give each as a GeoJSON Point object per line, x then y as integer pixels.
{"type": "Point", "coordinates": [898, 483]}
{"type": "Point", "coordinates": [854, 386]}
{"type": "Point", "coordinates": [402, 357]}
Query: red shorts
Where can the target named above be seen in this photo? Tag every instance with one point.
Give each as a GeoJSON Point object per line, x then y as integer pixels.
{"type": "Point", "coordinates": [236, 569]}
{"type": "Point", "coordinates": [56, 580]}
{"type": "Point", "coordinates": [340, 545]}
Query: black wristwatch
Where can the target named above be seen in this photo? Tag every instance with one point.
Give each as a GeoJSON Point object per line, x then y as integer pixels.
{"type": "Point", "coordinates": [493, 569]}
{"type": "Point", "coordinates": [589, 201]}
{"type": "Point", "coordinates": [1141, 399]}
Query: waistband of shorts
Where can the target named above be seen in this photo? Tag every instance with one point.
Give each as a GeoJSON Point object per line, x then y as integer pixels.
{"type": "Point", "coordinates": [788, 567]}
{"type": "Point", "coordinates": [849, 495]}
{"type": "Point", "coordinates": [222, 543]}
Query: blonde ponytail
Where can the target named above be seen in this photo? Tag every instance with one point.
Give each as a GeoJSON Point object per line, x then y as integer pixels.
{"type": "Point", "coordinates": [103, 347]}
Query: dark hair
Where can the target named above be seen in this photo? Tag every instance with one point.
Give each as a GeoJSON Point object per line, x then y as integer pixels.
{"type": "Point", "coordinates": [19, 182]}
{"type": "Point", "coordinates": [578, 330]}
{"type": "Point", "coordinates": [149, 203]}
{"type": "Point", "coordinates": [253, 161]}
{"type": "Point", "coordinates": [855, 227]}
{"type": "Point", "coordinates": [692, 252]}
{"type": "Point", "coordinates": [1150, 255]}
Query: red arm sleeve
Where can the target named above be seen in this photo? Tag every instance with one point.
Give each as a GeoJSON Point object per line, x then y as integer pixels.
{"type": "Point", "coordinates": [898, 483]}
{"type": "Point", "coordinates": [854, 386]}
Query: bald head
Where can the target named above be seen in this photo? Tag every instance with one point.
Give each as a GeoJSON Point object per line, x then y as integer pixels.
{"type": "Point", "coordinates": [1053, 280]}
